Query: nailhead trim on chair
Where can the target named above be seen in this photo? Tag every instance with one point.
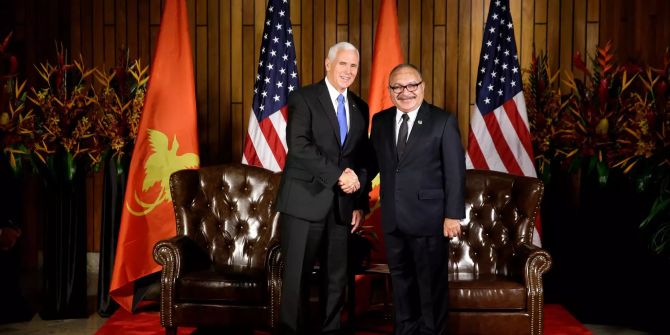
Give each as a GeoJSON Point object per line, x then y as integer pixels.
{"type": "Point", "coordinates": [167, 258]}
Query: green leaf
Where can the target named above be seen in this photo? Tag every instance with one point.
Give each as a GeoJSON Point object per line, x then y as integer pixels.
{"type": "Point", "coordinates": [97, 166]}
{"type": "Point", "coordinates": [71, 167]}
{"type": "Point", "coordinates": [660, 206]}
{"type": "Point", "coordinates": [593, 162]}
{"type": "Point", "coordinates": [642, 182]}
{"type": "Point", "coordinates": [119, 169]}
{"type": "Point", "coordinates": [18, 166]}
{"type": "Point", "coordinates": [603, 173]}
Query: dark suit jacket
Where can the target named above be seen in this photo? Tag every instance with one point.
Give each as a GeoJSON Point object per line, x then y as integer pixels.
{"type": "Point", "coordinates": [315, 159]}
{"type": "Point", "coordinates": [427, 184]}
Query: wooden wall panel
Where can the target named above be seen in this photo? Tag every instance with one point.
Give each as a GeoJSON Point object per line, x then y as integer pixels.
{"type": "Point", "coordinates": [579, 33]}
{"type": "Point", "coordinates": [366, 45]}
{"type": "Point", "coordinates": [441, 37]}
{"type": "Point", "coordinates": [477, 23]}
{"type": "Point", "coordinates": [640, 30]}
{"type": "Point", "coordinates": [451, 74]}
{"type": "Point", "coordinates": [565, 46]}
{"type": "Point", "coordinates": [465, 58]}
{"type": "Point", "coordinates": [527, 26]}
{"type": "Point", "coordinates": [553, 33]}
{"type": "Point", "coordinates": [427, 47]}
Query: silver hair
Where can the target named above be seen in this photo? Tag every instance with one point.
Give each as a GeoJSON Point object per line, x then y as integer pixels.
{"type": "Point", "coordinates": [332, 52]}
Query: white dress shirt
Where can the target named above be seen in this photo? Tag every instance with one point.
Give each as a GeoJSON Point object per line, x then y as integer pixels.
{"type": "Point", "coordinates": [333, 99]}
{"type": "Point", "coordinates": [410, 122]}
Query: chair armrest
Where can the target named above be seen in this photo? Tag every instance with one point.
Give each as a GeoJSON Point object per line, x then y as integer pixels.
{"type": "Point", "coordinates": [179, 254]}
{"type": "Point", "coordinates": [275, 268]}
{"type": "Point", "coordinates": [530, 263]}
{"type": "Point", "coordinates": [176, 255]}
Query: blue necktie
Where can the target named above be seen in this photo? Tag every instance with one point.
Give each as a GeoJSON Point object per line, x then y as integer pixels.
{"type": "Point", "coordinates": [342, 118]}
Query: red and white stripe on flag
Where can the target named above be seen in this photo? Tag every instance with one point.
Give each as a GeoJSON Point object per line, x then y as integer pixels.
{"type": "Point", "coordinates": [499, 137]}
{"type": "Point", "coordinates": [265, 144]}
{"type": "Point", "coordinates": [277, 76]}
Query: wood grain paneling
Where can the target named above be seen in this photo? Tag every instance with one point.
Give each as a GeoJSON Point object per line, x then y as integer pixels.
{"type": "Point", "coordinates": [640, 30]}
{"type": "Point", "coordinates": [441, 37]}
{"type": "Point", "coordinates": [451, 74]}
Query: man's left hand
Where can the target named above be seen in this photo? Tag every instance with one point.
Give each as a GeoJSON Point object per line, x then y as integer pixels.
{"type": "Point", "coordinates": [452, 228]}
{"type": "Point", "coordinates": [356, 219]}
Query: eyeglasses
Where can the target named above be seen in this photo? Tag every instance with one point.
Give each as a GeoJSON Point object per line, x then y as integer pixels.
{"type": "Point", "coordinates": [410, 87]}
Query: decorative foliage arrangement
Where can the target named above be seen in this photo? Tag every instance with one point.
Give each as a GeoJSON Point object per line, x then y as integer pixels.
{"type": "Point", "coordinates": [120, 101]}
{"type": "Point", "coordinates": [617, 118]}
{"type": "Point", "coordinates": [73, 115]}
{"type": "Point", "coordinates": [17, 124]}
{"type": "Point", "coordinates": [66, 111]}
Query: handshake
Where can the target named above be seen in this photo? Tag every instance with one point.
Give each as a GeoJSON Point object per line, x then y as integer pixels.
{"type": "Point", "coordinates": [349, 181]}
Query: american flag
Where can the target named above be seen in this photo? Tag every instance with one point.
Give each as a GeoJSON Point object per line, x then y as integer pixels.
{"type": "Point", "coordinates": [265, 143]}
{"type": "Point", "coordinates": [499, 137]}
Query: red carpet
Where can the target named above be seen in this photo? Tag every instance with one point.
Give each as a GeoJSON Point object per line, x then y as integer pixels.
{"type": "Point", "coordinates": [557, 321]}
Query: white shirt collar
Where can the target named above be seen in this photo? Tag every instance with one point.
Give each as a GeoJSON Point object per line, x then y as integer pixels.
{"type": "Point", "coordinates": [410, 123]}
{"type": "Point", "coordinates": [412, 116]}
{"type": "Point", "coordinates": [334, 93]}
{"type": "Point", "coordinates": [333, 99]}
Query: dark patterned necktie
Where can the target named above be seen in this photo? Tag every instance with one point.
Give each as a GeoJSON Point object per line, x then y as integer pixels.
{"type": "Point", "coordinates": [402, 136]}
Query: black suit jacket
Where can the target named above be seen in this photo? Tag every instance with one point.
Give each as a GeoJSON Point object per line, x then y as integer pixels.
{"type": "Point", "coordinates": [315, 159]}
{"type": "Point", "coordinates": [426, 185]}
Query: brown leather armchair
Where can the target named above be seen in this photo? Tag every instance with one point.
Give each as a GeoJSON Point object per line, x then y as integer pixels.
{"type": "Point", "coordinates": [495, 272]}
{"type": "Point", "coordinates": [222, 268]}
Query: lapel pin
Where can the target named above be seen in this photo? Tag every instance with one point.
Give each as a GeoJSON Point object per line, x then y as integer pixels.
{"type": "Point", "coordinates": [419, 121]}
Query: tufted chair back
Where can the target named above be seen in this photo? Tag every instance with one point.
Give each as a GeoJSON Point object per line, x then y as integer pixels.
{"type": "Point", "coordinates": [495, 272]}
{"type": "Point", "coordinates": [500, 215]}
{"type": "Point", "coordinates": [229, 213]}
{"type": "Point", "coordinates": [223, 266]}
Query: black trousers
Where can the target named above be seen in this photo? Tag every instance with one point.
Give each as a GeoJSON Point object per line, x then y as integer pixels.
{"type": "Point", "coordinates": [302, 243]}
{"type": "Point", "coordinates": [419, 277]}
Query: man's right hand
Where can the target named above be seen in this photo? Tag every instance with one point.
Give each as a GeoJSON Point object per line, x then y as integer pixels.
{"type": "Point", "coordinates": [348, 181]}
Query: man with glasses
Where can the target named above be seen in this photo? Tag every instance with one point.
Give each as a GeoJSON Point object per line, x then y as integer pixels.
{"type": "Point", "coordinates": [421, 163]}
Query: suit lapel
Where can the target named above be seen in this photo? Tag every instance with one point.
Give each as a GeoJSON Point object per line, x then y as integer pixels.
{"type": "Point", "coordinates": [355, 123]}
{"type": "Point", "coordinates": [390, 135]}
{"type": "Point", "coordinates": [418, 129]}
{"type": "Point", "coordinates": [324, 99]}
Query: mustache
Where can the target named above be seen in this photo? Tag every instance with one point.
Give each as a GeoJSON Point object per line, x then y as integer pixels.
{"type": "Point", "coordinates": [405, 96]}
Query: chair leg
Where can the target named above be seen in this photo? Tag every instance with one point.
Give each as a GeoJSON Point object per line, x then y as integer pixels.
{"type": "Point", "coordinates": [170, 330]}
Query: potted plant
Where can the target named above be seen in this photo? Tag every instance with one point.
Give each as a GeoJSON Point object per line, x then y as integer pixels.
{"type": "Point", "coordinates": [65, 146]}
{"type": "Point", "coordinates": [610, 133]}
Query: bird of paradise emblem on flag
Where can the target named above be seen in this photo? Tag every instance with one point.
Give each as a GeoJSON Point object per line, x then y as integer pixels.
{"type": "Point", "coordinates": [158, 167]}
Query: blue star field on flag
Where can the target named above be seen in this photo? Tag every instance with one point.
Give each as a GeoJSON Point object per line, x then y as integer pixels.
{"type": "Point", "coordinates": [277, 74]}
{"type": "Point", "coordinates": [499, 74]}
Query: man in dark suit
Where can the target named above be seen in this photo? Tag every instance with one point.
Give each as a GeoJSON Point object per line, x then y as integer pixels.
{"type": "Point", "coordinates": [421, 164]}
{"type": "Point", "coordinates": [320, 197]}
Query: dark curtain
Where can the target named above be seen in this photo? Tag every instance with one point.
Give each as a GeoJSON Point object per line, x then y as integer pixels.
{"type": "Point", "coordinates": [114, 189]}
{"type": "Point", "coordinates": [64, 269]}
